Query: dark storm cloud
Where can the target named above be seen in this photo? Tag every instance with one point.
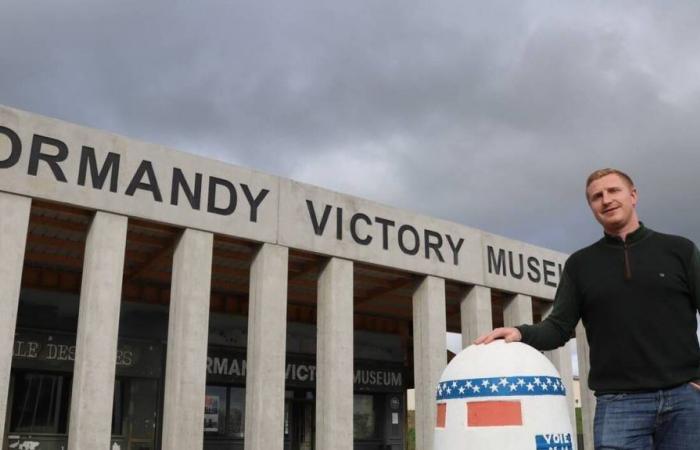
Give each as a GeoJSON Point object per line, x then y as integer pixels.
{"type": "Point", "coordinates": [486, 113]}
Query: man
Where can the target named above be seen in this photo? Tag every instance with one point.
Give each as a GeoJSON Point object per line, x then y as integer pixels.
{"type": "Point", "coordinates": [637, 292]}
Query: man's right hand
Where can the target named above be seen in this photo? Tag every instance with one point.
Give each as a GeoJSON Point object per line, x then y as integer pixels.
{"type": "Point", "coordinates": [508, 334]}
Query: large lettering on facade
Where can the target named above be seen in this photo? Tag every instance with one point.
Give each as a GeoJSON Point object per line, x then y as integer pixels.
{"type": "Point", "coordinates": [365, 228]}
{"type": "Point", "coordinates": [514, 266]}
{"type": "Point", "coordinates": [520, 266]}
{"type": "Point", "coordinates": [49, 155]}
{"type": "Point", "coordinates": [46, 159]}
{"type": "Point", "coordinates": [57, 352]}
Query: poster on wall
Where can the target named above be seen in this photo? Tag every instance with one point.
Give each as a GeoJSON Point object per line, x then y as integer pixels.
{"type": "Point", "coordinates": [211, 413]}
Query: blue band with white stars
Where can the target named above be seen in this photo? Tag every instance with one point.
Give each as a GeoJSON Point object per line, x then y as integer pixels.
{"type": "Point", "coordinates": [500, 387]}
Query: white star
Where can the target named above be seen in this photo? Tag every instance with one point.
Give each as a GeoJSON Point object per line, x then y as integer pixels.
{"type": "Point", "coordinates": [454, 384]}
{"type": "Point", "coordinates": [485, 383]}
{"type": "Point", "coordinates": [549, 381]}
{"type": "Point", "coordinates": [544, 387]}
{"type": "Point", "coordinates": [468, 384]}
{"type": "Point", "coordinates": [461, 390]}
{"type": "Point", "coordinates": [513, 387]}
{"type": "Point", "coordinates": [476, 389]}
{"type": "Point", "coordinates": [449, 391]}
{"type": "Point", "coordinates": [555, 387]}
{"type": "Point", "coordinates": [530, 387]}
{"type": "Point", "coordinates": [503, 382]}
{"type": "Point", "coordinates": [494, 388]}
{"type": "Point", "coordinates": [537, 381]}
{"type": "Point", "coordinates": [521, 382]}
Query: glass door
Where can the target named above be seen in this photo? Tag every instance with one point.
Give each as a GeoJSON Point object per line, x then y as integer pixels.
{"type": "Point", "coordinates": [142, 414]}
{"type": "Point", "coordinates": [4, 443]}
{"type": "Point", "coordinates": [303, 424]}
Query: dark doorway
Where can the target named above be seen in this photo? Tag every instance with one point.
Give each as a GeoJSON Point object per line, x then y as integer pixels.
{"type": "Point", "coordinates": [141, 417]}
{"type": "Point", "coordinates": [303, 421]}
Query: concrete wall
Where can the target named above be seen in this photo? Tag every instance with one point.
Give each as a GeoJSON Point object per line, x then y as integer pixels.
{"type": "Point", "coordinates": [54, 160]}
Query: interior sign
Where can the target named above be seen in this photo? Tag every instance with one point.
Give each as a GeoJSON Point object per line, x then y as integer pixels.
{"type": "Point", "coordinates": [299, 372]}
{"type": "Point", "coordinates": [54, 351]}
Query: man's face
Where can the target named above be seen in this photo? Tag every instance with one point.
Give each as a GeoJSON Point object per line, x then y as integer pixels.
{"type": "Point", "coordinates": [612, 201]}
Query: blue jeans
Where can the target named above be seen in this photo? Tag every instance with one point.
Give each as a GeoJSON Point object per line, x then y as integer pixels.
{"type": "Point", "coordinates": [663, 420]}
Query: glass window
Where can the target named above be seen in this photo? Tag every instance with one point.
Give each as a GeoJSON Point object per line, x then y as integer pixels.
{"type": "Point", "coordinates": [287, 407]}
{"type": "Point", "coordinates": [40, 403]}
{"type": "Point", "coordinates": [140, 408]}
{"type": "Point", "coordinates": [118, 408]}
{"type": "Point", "coordinates": [236, 412]}
{"type": "Point", "coordinates": [364, 417]}
{"type": "Point", "coordinates": [215, 409]}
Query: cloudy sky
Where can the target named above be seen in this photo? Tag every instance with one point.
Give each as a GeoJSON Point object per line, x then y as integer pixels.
{"type": "Point", "coordinates": [490, 114]}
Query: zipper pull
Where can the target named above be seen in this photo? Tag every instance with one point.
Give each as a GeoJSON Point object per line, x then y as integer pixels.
{"type": "Point", "coordinates": [628, 271]}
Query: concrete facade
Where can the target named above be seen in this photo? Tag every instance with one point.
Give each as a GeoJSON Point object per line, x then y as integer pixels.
{"type": "Point", "coordinates": [517, 310]}
{"type": "Point", "coordinates": [102, 171]}
{"type": "Point", "coordinates": [267, 326]}
{"type": "Point", "coordinates": [475, 314]}
{"type": "Point", "coordinates": [428, 354]}
{"type": "Point", "coordinates": [139, 178]}
{"type": "Point", "coordinates": [14, 222]}
{"type": "Point", "coordinates": [121, 179]}
{"type": "Point", "coordinates": [334, 378]}
{"type": "Point", "coordinates": [188, 325]}
{"type": "Point", "coordinates": [98, 328]}
{"type": "Point", "coordinates": [330, 223]}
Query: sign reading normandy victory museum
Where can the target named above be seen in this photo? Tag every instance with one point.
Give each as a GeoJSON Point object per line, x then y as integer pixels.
{"type": "Point", "coordinates": [72, 164]}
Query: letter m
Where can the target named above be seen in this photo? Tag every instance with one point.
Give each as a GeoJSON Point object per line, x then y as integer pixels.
{"type": "Point", "coordinates": [221, 366]}
{"type": "Point", "coordinates": [499, 264]}
{"type": "Point", "coordinates": [111, 164]}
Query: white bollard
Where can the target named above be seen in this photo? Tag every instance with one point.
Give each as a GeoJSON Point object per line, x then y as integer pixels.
{"type": "Point", "coordinates": [502, 396]}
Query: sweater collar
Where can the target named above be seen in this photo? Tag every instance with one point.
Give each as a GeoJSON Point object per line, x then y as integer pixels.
{"type": "Point", "coordinates": [632, 238]}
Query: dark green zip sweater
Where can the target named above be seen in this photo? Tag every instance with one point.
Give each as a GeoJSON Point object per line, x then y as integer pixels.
{"type": "Point", "coordinates": [637, 300]}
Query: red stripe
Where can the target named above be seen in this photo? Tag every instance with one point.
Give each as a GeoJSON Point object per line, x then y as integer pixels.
{"type": "Point", "coordinates": [494, 414]}
{"type": "Point", "coordinates": [441, 414]}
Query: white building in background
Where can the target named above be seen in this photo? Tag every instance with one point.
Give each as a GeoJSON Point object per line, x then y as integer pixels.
{"type": "Point", "coordinates": [152, 299]}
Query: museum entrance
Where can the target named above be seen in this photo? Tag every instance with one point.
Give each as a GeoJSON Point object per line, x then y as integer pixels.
{"type": "Point", "coordinates": [302, 420]}
{"type": "Point", "coordinates": [141, 416]}
{"type": "Point", "coordinates": [39, 408]}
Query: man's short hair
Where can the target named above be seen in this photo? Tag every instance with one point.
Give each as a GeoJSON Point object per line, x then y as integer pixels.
{"type": "Point", "coordinates": [600, 173]}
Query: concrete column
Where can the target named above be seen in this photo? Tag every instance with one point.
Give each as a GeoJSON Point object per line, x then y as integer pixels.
{"type": "Point", "coordinates": [334, 357]}
{"type": "Point", "coordinates": [429, 354]}
{"type": "Point", "coordinates": [98, 330]}
{"type": "Point", "coordinates": [267, 342]}
{"type": "Point", "coordinates": [188, 333]}
{"type": "Point", "coordinates": [517, 310]}
{"type": "Point", "coordinates": [561, 358]}
{"type": "Point", "coordinates": [14, 223]}
{"type": "Point", "coordinates": [588, 401]}
{"type": "Point", "coordinates": [475, 312]}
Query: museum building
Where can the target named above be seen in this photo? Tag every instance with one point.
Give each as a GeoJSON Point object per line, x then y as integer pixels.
{"type": "Point", "coordinates": [153, 299]}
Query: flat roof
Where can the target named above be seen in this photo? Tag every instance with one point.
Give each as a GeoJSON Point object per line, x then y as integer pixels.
{"type": "Point", "coordinates": [84, 170]}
